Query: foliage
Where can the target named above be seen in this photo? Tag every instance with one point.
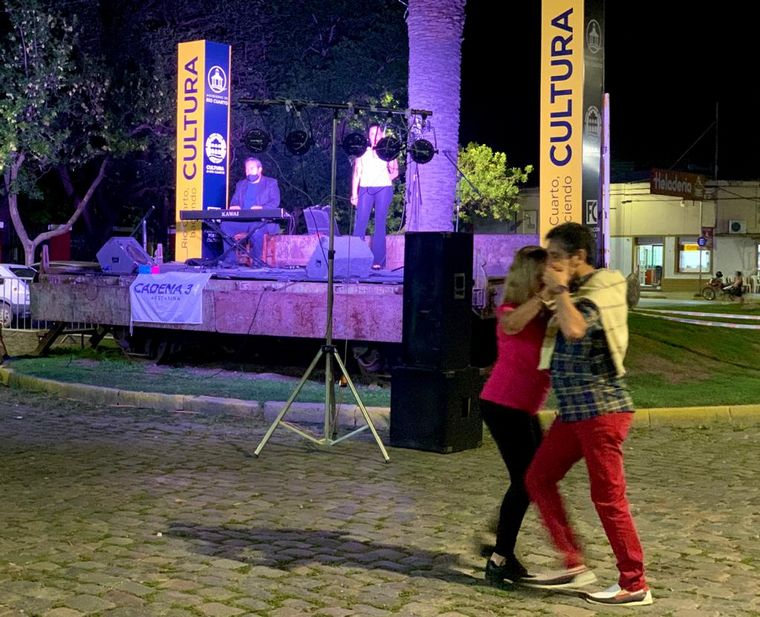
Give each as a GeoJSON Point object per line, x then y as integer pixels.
{"type": "Point", "coordinates": [62, 110]}
{"type": "Point", "coordinates": [49, 110]}
{"type": "Point", "coordinates": [123, 105]}
{"type": "Point", "coordinates": [497, 184]}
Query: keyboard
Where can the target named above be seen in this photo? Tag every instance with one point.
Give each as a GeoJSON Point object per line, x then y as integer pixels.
{"type": "Point", "coordinates": [244, 216]}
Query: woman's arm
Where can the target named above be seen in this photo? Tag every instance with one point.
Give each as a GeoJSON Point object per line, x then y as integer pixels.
{"type": "Point", "coordinates": [393, 169]}
{"type": "Point", "coordinates": [355, 178]}
{"type": "Point", "coordinates": [515, 320]}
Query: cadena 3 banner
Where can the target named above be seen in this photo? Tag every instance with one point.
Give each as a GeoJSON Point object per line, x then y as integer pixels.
{"type": "Point", "coordinates": [173, 297]}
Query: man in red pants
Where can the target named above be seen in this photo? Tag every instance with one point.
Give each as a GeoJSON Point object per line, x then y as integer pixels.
{"type": "Point", "coordinates": [584, 348]}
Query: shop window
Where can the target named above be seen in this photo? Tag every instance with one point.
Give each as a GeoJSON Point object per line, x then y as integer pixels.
{"type": "Point", "coordinates": [692, 259]}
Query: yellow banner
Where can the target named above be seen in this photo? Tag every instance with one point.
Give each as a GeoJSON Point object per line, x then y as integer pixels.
{"type": "Point", "coordinates": [561, 140]}
{"type": "Point", "coordinates": [191, 87]}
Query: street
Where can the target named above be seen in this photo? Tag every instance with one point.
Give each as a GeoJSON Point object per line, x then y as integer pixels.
{"type": "Point", "coordinates": [122, 511]}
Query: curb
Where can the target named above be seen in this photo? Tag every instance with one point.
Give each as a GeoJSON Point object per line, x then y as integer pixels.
{"type": "Point", "coordinates": [349, 416]}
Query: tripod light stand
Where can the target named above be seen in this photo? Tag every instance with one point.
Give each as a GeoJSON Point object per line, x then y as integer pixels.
{"type": "Point", "coordinates": [328, 350]}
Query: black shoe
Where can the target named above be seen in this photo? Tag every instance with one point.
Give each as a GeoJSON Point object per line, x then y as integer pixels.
{"type": "Point", "coordinates": [511, 571]}
{"type": "Point", "coordinates": [486, 550]}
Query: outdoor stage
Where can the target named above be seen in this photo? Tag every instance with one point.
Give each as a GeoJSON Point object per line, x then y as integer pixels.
{"type": "Point", "coordinates": [279, 300]}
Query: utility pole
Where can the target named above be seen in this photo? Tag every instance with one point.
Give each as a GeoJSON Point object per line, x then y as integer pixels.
{"type": "Point", "coordinates": [715, 163]}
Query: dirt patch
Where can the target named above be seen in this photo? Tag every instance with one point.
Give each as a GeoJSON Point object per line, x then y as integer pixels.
{"type": "Point", "coordinates": [24, 342]}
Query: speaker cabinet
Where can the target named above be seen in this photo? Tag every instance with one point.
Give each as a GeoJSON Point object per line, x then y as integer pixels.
{"type": "Point", "coordinates": [122, 255]}
{"type": "Point", "coordinates": [436, 410]}
{"type": "Point", "coordinates": [437, 321]}
{"type": "Point", "coordinates": [353, 258]}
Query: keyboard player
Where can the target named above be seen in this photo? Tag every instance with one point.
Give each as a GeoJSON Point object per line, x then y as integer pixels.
{"type": "Point", "coordinates": [253, 192]}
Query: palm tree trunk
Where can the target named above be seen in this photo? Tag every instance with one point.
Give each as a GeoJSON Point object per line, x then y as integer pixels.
{"type": "Point", "coordinates": [435, 54]}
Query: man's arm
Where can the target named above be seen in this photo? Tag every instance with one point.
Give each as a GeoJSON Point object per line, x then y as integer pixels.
{"type": "Point", "coordinates": [236, 203]}
{"type": "Point", "coordinates": [571, 321]}
{"type": "Point", "coordinates": [272, 195]}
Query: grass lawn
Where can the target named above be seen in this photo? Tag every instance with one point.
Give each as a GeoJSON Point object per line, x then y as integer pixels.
{"type": "Point", "coordinates": [109, 367]}
{"type": "Point", "coordinates": [669, 365]}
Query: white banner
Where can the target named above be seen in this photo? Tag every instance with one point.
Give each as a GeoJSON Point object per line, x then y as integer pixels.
{"type": "Point", "coordinates": [174, 297]}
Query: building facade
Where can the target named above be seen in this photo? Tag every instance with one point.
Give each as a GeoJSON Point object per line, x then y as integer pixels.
{"type": "Point", "coordinates": [675, 244]}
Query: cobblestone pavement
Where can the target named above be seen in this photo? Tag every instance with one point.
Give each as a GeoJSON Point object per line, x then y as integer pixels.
{"type": "Point", "coordinates": [121, 511]}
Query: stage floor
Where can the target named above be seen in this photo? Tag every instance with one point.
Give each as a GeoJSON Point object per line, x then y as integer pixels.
{"type": "Point", "coordinates": [295, 273]}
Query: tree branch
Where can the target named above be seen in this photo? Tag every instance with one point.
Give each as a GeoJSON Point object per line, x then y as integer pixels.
{"type": "Point", "coordinates": [79, 209]}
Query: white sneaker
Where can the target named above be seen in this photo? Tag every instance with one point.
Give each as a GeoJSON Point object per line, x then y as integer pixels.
{"type": "Point", "coordinates": [579, 576]}
{"type": "Point", "coordinates": [621, 597]}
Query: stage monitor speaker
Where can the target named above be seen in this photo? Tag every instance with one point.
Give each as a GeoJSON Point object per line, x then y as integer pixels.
{"type": "Point", "coordinates": [353, 258]}
{"type": "Point", "coordinates": [435, 410]}
{"type": "Point", "coordinates": [120, 255]}
{"type": "Point", "coordinates": [437, 314]}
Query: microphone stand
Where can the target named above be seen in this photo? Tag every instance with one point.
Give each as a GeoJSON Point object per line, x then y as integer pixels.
{"type": "Point", "coordinates": [144, 224]}
{"type": "Point", "coordinates": [461, 174]}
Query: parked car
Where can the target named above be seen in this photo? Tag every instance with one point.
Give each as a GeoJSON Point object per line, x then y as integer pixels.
{"type": "Point", "coordinates": [14, 292]}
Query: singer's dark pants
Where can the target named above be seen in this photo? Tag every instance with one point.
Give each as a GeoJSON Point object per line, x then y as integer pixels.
{"type": "Point", "coordinates": [379, 198]}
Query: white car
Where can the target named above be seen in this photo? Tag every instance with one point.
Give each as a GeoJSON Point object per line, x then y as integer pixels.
{"type": "Point", "coordinates": [14, 292]}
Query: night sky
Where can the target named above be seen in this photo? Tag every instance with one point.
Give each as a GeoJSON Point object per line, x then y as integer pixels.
{"type": "Point", "coordinates": [665, 68]}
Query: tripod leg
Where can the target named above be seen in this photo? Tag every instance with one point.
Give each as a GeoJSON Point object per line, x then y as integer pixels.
{"type": "Point", "coordinates": [362, 408]}
{"type": "Point", "coordinates": [330, 419]}
{"type": "Point", "coordinates": [285, 409]}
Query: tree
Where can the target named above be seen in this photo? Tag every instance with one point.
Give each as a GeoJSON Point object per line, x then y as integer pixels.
{"type": "Point", "coordinates": [61, 112]}
{"type": "Point", "coordinates": [435, 30]}
{"type": "Point", "coordinates": [495, 184]}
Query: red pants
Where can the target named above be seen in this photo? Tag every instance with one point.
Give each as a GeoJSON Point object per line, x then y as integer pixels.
{"type": "Point", "coordinates": [599, 441]}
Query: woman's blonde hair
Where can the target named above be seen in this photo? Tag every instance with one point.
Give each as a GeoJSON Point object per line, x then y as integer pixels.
{"type": "Point", "coordinates": [524, 276]}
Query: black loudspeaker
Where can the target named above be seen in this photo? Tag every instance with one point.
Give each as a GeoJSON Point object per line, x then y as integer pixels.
{"type": "Point", "coordinates": [122, 255]}
{"type": "Point", "coordinates": [435, 410]}
{"type": "Point", "coordinates": [437, 321]}
{"type": "Point", "coordinates": [353, 258]}
{"type": "Point", "coordinates": [484, 341]}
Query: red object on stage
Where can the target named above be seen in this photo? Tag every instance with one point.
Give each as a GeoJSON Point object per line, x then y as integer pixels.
{"type": "Point", "coordinates": [60, 247]}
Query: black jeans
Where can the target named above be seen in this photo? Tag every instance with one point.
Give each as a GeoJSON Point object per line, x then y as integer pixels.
{"type": "Point", "coordinates": [518, 435]}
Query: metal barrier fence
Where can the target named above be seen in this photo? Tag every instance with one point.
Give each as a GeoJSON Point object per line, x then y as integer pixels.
{"type": "Point", "coordinates": [15, 308]}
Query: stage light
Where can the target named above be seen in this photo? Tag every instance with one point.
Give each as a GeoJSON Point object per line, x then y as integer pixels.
{"type": "Point", "coordinates": [388, 148]}
{"type": "Point", "coordinates": [355, 144]}
{"type": "Point", "coordinates": [257, 140]}
{"type": "Point", "coordinates": [298, 142]}
{"type": "Point", "coordinates": [422, 151]}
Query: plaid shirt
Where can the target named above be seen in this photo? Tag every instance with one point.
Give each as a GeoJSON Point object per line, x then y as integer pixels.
{"type": "Point", "coordinates": [584, 378]}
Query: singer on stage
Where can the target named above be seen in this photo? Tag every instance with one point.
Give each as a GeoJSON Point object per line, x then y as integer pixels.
{"type": "Point", "coordinates": [372, 187]}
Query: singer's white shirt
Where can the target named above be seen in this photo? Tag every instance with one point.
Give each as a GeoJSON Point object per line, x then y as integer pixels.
{"type": "Point", "coordinates": [374, 170]}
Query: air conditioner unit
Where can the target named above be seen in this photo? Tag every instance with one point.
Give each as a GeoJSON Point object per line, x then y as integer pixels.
{"type": "Point", "coordinates": [737, 227]}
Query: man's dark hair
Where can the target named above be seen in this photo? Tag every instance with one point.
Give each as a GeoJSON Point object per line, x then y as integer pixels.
{"type": "Point", "coordinates": [574, 237]}
{"type": "Point", "coordinates": [251, 159]}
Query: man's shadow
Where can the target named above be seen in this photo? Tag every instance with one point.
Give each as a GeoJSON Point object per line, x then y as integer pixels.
{"type": "Point", "coordinates": [285, 549]}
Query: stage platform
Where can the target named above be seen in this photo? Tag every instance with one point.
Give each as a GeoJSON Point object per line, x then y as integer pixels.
{"type": "Point", "coordinates": [246, 301]}
{"type": "Point", "coordinates": [279, 300]}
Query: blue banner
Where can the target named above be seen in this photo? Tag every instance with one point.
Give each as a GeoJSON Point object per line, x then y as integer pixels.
{"type": "Point", "coordinates": [216, 106]}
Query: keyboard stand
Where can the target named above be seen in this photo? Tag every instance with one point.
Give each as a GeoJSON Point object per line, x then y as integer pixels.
{"type": "Point", "coordinates": [232, 244]}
